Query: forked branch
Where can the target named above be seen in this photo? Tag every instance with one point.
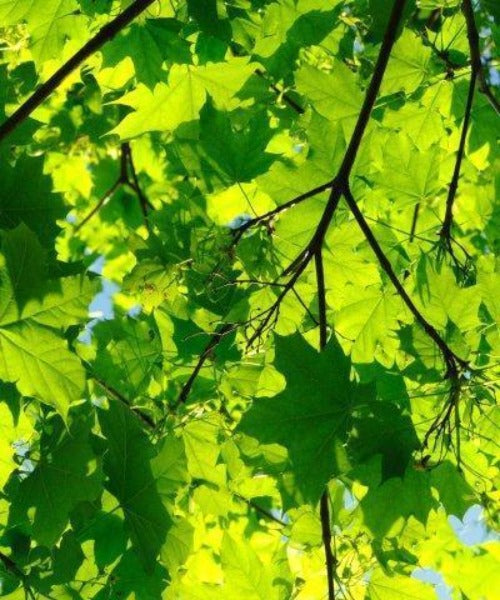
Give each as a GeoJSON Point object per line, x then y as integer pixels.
{"type": "Point", "coordinates": [123, 179]}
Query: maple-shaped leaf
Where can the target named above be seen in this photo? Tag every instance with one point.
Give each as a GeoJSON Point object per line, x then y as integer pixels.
{"type": "Point", "coordinates": [311, 417]}
{"type": "Point", "coordinates": [68, 473]}
{"type": "Point", "coordinates": [181, 99]}
{"type": "Point", "coordinates": [127, 465]}
{"type": "Point", "coordinates": [33, 353]}
{"type": "Point", "coordinates": [49, 23]}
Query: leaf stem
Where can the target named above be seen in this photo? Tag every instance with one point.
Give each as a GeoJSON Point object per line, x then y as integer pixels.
{"type": "Point", "coordinates": [320, 280]}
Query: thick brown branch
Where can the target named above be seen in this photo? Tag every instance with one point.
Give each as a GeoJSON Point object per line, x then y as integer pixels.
{"type": "Point", "coordinates": [475, 54]}
{"type": "Point", "coordinates": [373, 89]}
{"type": "Point", "coordinates": [107, 33]}
{"type": "Point", "coordinates": [297, 267]}
{"type": "Point", "coordinates": [451, 360]}
{"type": "Point", "coordinates": [213, 342]}
{"type": "Point", "coordinates": [342, 178]}
{"type": "Point", "coordinates": [330, 560]}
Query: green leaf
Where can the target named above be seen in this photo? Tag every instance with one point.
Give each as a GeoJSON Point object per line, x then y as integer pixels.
{"type": "Point", "coordinates": [246, 576]}
{"type": "Point", "coordinates": [67, 474]}
{"type": "Point", "coordinates": [398, 587]}
{"type": "Point", "coordinates": [33, 355]}
{"type": "Point", "coordinates": [310, 418]}
{"type": "Point", "coordinates": [336, 96]}
{"type": "Point", "coordinates": [127, 466]}
{"type": "Point", "coordinates": [408, 65]}
{"type": "Point", "coordinates": [181, 99]}
{"type": "Point", "coordinates": [49, 24]}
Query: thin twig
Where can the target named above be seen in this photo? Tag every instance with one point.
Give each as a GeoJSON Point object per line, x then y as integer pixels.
{"type": "Point", "coordinates": [102, 202]}
{"type": "Point", "coordinates": [259, 509]}
{"type": "Point", "coordinates": [144, 203]}
{"type": "Point", "coordinates": [11, 566]}
{"type": "Point", "coordinates": [145, 418]}
{"type": "Point", "coordinates": [105, 34]}
{"type": "Point", "coordinates": [266, 217]}
{"type": "Point", "coordinates": [123, 179]}
{"type": "Point", "coordinates": [414, 221]}
{"type": "Point", "coordinates": [445, 232]}
{"type": "Point", "coordinates": [213, 342]}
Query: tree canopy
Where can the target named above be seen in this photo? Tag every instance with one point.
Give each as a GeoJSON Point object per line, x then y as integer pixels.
{"type": "Point", "coordinates": [294, 203]}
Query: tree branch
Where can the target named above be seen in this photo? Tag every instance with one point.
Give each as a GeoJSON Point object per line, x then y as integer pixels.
{"type": "Point", "coordinates": [144, 203]}
{"type": "Point", "coordinates": [320, 280]}
{"type": "Point", "coordinates": [104, 35]}
{"type": "Point", "coordinates": [452, 361]}
{"type": "Point", "coordinates": [102, 202]}
{"type": "Point", "coordinates": [330, 559]}
{"type": "Point", "coordinates": [475, 53]}
{"type": "Point", "coordinates": [445, 232]}
{"type": "Point", "coordinates": [144, 417]}
{"type": "Point", "coordinates": [213, 342]}
{"type": "Point", "coordinates": [266, 217]}
{"type": "Point", "coordinates": [126, 162]}
{"type": "Point", "coordinates": [342, 179]}
{"type": "Point", "coordinates": [259, 509]}
{"type": "Point", "coordinates": [414, 221]}
{"type": "Point", "coordinates": [299, 264]}
{"type": "Point", "coordinates": [11, 566]}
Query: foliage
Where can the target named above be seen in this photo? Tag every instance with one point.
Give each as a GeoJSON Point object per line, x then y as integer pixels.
{"type": "Point", "coordinates": [297, 387]}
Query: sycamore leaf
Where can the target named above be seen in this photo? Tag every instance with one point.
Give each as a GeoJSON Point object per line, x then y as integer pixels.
{"type": "Point", "coordinates": [130, 479]}
{"type": "Point", "coordinates": [181, 99]}
{"type": "Point", "coordinates": [246, 576]}
{"type": "Point", "coordinates": [369, 319]}
{"type": "Point", "coordinates": [408, 64]}
{"type": "Point", "coordinates": [49, 23]}
{"type": "Point", "coordinates": [397, 587]}
{"type": "Point", "coordinates": [310, 403]}
{"type": "Point", "coordinates": [15, 430]}
{"type": "Point", "coordinates": [33, 354]}
{"type": "Point", "coordinates": [38, 361]}
{"type": "Point", "coordinates": [68, 474]}
{"type": "Point", "coordinates": [335, 95]}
